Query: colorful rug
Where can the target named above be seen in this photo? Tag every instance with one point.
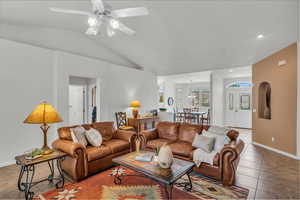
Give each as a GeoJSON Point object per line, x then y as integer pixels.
{"type": "Point", "coordinates": [101, 186]}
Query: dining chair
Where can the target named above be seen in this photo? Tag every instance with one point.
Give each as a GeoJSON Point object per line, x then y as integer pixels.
{"type": "Point", "coordinates": [206, 119]}
{"type": "Point", "coordinates": [187, 110]}
{"type": "Point", "coordinates": [122, 122]}
{"type": "Point", "coordinates": [179, 117]}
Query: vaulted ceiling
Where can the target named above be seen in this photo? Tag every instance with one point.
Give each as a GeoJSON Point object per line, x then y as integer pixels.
{"type": "Point", "coordinates": [179, 36]}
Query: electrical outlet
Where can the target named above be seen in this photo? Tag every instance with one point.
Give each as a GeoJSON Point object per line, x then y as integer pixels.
{"type": "Point", "coordinates": [273, 139]}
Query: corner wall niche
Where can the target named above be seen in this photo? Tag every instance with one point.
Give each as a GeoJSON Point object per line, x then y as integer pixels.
{"type": "Point", "coordinates": [264, 100]}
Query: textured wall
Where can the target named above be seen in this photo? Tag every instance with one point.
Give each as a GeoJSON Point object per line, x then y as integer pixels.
{"type": "Point", "coordinates": [283, 80]}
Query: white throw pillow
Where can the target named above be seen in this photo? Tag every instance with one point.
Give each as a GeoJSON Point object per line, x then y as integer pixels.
{"type": "Point", "coordinates": [204, 142]}
{"type": "Point", "coordinates": [73, 136]}
{"type": "Point", "coordinates": [220, 140]}
{"type": "Point", "coordinates": [79, 133]}
{"type": "Point", "coordinates": [94, 137]}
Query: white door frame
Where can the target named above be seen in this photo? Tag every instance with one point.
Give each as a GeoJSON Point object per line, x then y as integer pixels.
{"type": "Point", "coordinates": [237, 91]}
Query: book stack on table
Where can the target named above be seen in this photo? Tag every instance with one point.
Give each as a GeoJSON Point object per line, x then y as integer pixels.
{"type": "Point", "coordinates": [144, 158]}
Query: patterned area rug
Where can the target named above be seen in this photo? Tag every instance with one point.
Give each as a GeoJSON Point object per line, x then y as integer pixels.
{"type": "Point", "coordinates": [101, 186]}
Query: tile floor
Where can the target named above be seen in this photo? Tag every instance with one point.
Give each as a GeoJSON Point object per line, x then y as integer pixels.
{"type": "Point", "coordinates": [266, 174]}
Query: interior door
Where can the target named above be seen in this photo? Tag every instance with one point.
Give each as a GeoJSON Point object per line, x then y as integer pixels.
{"type": "Point", "coordinates": [76, 104]}
{"type": "Point", "coordinates": [238, 108]}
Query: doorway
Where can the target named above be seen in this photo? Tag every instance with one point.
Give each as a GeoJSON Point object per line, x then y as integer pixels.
{"type": "Point", "coordinates": [238, 104]}
{"type": "Point", "coordinates": [83, 104]}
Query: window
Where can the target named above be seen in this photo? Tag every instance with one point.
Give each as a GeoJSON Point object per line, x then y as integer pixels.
{"type": "Point", "coordinates": [245, 102]}
{"type": "Point", "coordinates": [200, 98]}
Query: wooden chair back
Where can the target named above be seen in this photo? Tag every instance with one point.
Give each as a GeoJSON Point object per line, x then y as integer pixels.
{"type": "Point", "coordinates": [121, 119]}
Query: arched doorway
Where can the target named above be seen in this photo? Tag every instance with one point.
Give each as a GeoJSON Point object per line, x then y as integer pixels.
{"type": "Point", "coordinates": [238, 104]}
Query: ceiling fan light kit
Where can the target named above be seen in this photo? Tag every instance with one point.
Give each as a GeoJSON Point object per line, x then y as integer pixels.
{"type": "Point", "coordinates": [103, 14]}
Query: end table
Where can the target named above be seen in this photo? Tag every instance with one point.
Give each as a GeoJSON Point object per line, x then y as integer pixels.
{"type": "Point", "coordinates": [28, 167]}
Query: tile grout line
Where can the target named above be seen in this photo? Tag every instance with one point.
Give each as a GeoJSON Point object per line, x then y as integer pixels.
{"type": "Point", "coordinates": [259, 174]}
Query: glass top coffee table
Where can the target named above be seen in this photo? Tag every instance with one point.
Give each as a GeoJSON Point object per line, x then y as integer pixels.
{"type": "Point", "coordinates": [152, 170]}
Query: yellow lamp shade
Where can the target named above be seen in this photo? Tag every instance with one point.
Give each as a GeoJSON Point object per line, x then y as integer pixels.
{"type": "Point", "coordinates": [135, 104]}
{"type": "Point", "coordinates": [44, 113]}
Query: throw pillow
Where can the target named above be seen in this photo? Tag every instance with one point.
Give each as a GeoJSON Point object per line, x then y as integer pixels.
{"type": "Point", "coordinates": [204, 142]}
{"type": "Point", "coordinates": [220, 140]}
{"type": "Point", "coordinates": [79, 133]}
{"type": "Point", "coordinates": [94, 137]}
{"type": "Point", "coordinates": [73, 136]}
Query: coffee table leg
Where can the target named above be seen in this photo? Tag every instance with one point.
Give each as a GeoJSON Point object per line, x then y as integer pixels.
{"type": "Point", "coordinates": [117, 177]}
{"type": "Point", "coordinates": [169, 190]}
{"type": "Point", "coordinates": [189, 186]}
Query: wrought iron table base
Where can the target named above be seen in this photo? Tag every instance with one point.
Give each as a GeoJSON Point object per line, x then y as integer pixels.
{"type": "Point", "coordinates": [188, 186]}
{"type": "Point", "coordinates": [30, 172]}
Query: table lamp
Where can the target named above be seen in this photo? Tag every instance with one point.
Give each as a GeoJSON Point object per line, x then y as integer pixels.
{"type": "Point", "coordinates": [135, 105]}
{"type": "Point", "coordinates": [44, 114]}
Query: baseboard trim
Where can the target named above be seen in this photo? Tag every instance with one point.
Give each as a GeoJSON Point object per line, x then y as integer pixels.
{"type": "Point", "coordinates": [277, 151]}
{"type": "Point", "coordinates": [4, 164]}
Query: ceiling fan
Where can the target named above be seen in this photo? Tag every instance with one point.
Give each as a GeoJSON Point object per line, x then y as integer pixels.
{"type": "Point", "coordinates": [102, 13]}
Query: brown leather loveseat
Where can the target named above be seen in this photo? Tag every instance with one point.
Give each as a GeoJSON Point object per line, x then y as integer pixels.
{"type": "Point", "coordinates": [83, 161]}
{"type": "Point", "coordinates": [179, 136]}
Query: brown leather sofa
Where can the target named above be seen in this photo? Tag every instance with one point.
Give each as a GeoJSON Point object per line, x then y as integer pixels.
{"type": "Point", "coordinates": [83, 161]}
{"type": "Point", "coordinates": [179, 136]}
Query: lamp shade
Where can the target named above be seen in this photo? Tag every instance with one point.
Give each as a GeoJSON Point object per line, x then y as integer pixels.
{"type": "Point", "coordinates": [135, 104]}
{"type": "Point", "coordinates": [44, 113]}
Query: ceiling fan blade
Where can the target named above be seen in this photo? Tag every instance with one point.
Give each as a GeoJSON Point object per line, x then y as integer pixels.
{"type": "Point", "coordinates": [97, 5]}
{"type": "Point", "coordinates": [130, 12]}
{"type": "Point", "coordinates": [125, 29]}
{"type": "Point", "coordinates": [68, 11]}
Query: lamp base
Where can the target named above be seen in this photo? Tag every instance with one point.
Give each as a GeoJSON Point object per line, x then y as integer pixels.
{"type": "Point", "coordinates": [45, 147]}
{"type": "Point", "coordinates": [135, 113]}
{"type": "Point", "coordinates": [46, 150]}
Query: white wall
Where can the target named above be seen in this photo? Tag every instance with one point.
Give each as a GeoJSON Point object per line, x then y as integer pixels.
{"type": "Point", "coordinates": [30, 74]}
{"type": "Point", "coordinates": [217, 93]}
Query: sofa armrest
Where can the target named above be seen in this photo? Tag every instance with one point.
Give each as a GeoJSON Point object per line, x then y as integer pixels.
{"type": "Point", "coordinates": [233, 135]}
{"type": "Point", "coordinates": [229, 159]}
{"type": "Point", "coordinates": [124, 135]}
{"type": "Point", "coordinates": [77, 156]}
{"type": "Point", "coordinates": [150, 134]}
{"type": "Point", "coordinates": [147, 135]}
{"type": "Point", "coordinates": [68, 147]}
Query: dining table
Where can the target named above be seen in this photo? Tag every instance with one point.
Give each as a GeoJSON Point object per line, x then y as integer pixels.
{"type": "Point", "coordinates": [199, 116]}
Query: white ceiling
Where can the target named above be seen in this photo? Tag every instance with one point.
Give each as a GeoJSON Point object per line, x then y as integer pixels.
{"type": "Point", "coordinates": [179, 36]}
{"type": "Point", "coordinates": [195, 77]}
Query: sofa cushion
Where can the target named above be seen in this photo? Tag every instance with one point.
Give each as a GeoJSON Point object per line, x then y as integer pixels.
{"type": "Point", "coordinates": [182, 148]}
{"type": "Point", "coordinates": [187, 132]}
{"type": "Point", "coordinates": [168, 130]}
{"type": "Point", "coordinates": [152, 144]}
{"type": "Point", "coordinates": [106, 129]}
{"type": "Point", "coordinates": [94, 153]}
{"type": "Point", "coordinates": [117, 145]}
